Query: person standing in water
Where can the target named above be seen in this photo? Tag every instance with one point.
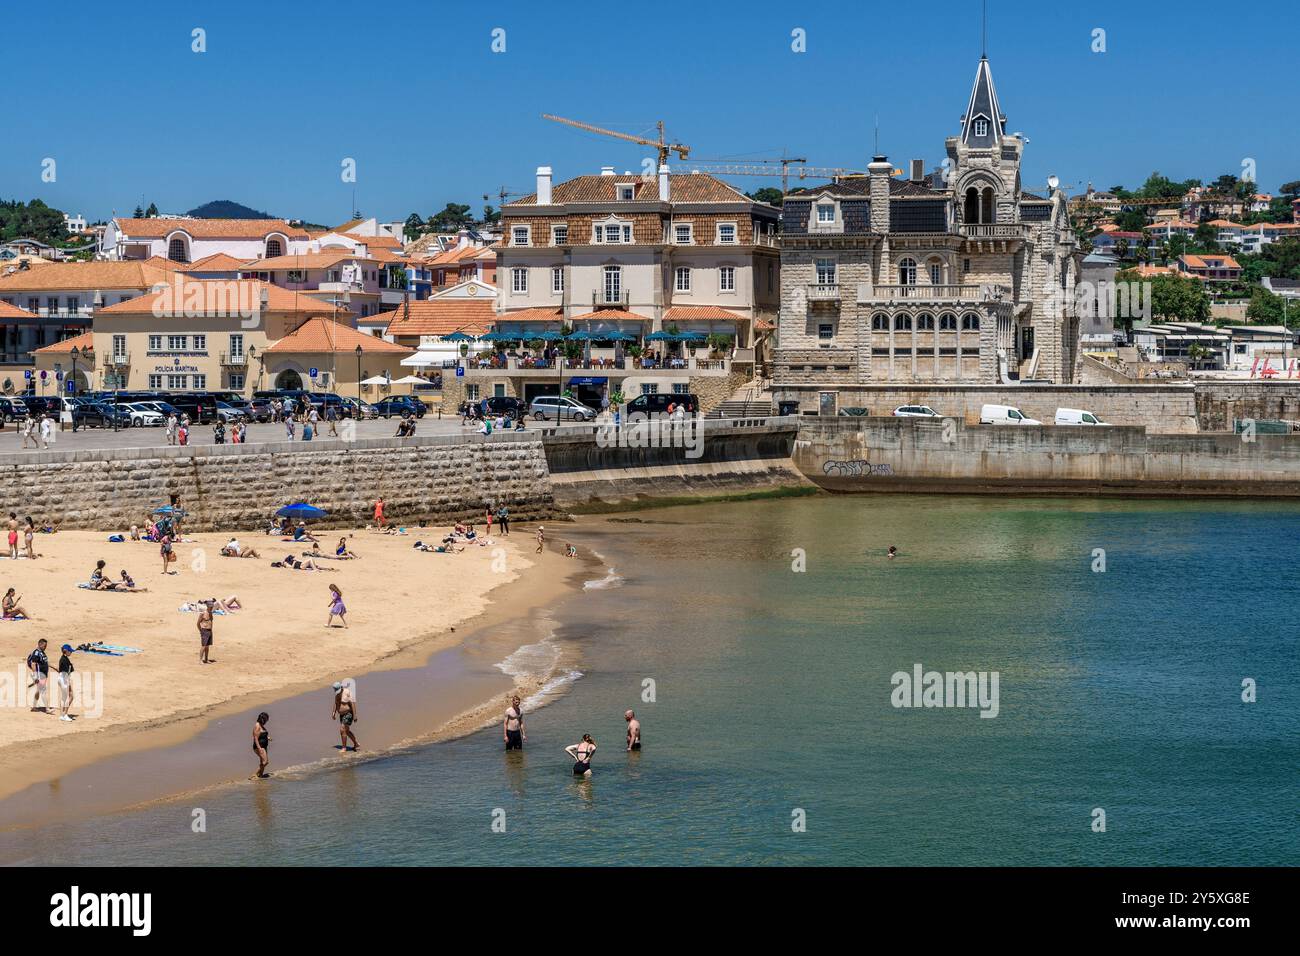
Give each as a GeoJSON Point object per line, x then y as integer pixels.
{"type": "Point", "coordinates": [513, 729]}
{"type": "Point", "coordinates": [261, 743]}
{"type": "Point", "coordinates": [633, 731]}
{"type": "Point", "coordinates": [893, 552]}
{"type": "Point", "coordinates": [581, 753]}
{"type": "Point", "coordinates": [541, 538]}
{"type": "Point", "coordinates": [345, 709]}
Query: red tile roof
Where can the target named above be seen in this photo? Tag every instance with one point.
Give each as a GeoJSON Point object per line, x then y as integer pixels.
{"type": "Point", "coordinates": [683, 312]}
{"type": "Point", "coordinates": [8, 311]}
{"type": "Point", "coordinates": [85, 277]}
{"type": "Point", "coordinates": [217, 262]}
{"type": "Point", "coordinates": [439, 317]}
{"type": "Point", "coordinates": [217, 297]}
{"type": "Point", "coordinates": [541, 314]}
{"type": "Point", "coordinates": [610, 315]}
{"type": "Point", "coordinates": [326, 335]}
{"type": "Point", "coordinates": [84, 342]}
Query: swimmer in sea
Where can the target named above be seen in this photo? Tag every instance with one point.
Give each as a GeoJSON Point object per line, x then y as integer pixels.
{"type": "Point", "coordinates": [513, 728]}
{"type": "Point", "coordinates": [893, 552]}
{"type": "Point", "coordinates": [581, 753]}
{"type": "Point", "coordinates": [633, 731]}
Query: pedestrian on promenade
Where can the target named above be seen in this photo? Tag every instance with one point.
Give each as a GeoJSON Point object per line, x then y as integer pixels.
{"type": "Point", "coordinates": [172, 426]}
{"type": "Point", "coordinates": [47, 429]}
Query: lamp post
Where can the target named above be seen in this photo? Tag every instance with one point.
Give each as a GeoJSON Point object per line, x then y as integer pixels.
{"type": "Point", "coordinates": [252, 357]}
{"type": "Point", "coordinates": [358, 382]}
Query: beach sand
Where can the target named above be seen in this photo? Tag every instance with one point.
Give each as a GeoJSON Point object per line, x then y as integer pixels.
{"type": "Point", "coordinates": [402, 604]}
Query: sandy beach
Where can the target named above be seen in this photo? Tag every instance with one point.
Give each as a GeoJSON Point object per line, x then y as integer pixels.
{"type": "Point", "coordinates": [401, 604]}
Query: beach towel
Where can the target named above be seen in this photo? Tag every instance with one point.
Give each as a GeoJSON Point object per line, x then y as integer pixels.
{"type": "Point", "coordinates": [91, 587]}
{"type": "Point", "coordinates": [116, 538]}
{"type": "Point", "coordinates": [190, 607]}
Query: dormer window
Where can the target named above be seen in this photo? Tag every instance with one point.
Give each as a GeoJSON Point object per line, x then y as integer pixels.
{"type": "Point", "coordinates": [682, 233]}
{"type": "Point", "coordinates": [981, 127]}
{"type": "Point", "coordinates": [559, 235]}
{"type": "Point", "coordinates": [519, 236]}
{"type": "Point", "coordinates": [626, 193]}
{"type": "Point", "coordinates": [825, 212]}
{"type": "Point", "coordinates": [611, 231]}
{"type": "Point", "coordinates": [726, 233]}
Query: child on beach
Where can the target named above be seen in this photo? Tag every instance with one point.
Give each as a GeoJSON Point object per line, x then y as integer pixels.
{"type": "Point", "coordinates": [337, 608]}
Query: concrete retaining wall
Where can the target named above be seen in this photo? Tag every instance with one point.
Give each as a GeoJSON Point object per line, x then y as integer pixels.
{"type": "Point", "coordinates": [438, 478]}
{"type": "Point", "coordinates": [926, 455]}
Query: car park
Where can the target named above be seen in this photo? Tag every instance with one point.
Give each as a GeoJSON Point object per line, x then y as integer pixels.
{"type": "Point", "coordinates": [559, 408]}
{"type": "Point", "coordinates": [915, 411]}
{"type": "Point", "coordinates": [100, 415]}
{"type": "Point", "coordinates": [506, 405]}
{"type": "Point", "coordinates": [12, 408]}
{"type": "Point", "coordinates": [350, 406]}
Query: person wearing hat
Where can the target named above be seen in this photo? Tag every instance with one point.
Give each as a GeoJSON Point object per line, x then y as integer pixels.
{"type": "Point", "coordinates": [541, 538]}
{"type": "Point", "coordinates": [345, 710]}
{"type": "Point", "coordinates": [65, 682]}
{"type": "Point", "coordinates": [39, 666]}
{"type": "Point", "coordinates": [633, 731]}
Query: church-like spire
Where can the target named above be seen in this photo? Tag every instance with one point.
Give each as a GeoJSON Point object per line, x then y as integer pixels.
{"type": "Point", "coordinates": [984, 122]}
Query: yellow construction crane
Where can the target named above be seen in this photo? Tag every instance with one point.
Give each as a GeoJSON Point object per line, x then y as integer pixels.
{"type": "Point", "coordinates": [661, 144]}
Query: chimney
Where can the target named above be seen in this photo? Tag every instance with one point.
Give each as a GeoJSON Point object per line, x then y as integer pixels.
{"type": "Point", "coordinates": [665, 190]}
{"type": "Point", "coordinates": [607, 170]}
{"type": "Point", "coordinates": [918, 170]}
{"type": "Point", "coordinates": [880, 170]}
{"type": "Point", "coordinates": [462, 234]}
{"type": "Point", "coordinates": [543, 185]}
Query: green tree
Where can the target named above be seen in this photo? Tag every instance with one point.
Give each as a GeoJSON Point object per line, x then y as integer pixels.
{"type": "Point", "coordinates": [1178, 298]}
{"type": "Point", "coordinates": [414, 225]}
{"type": "Point", "coordinates": [491, 216]}
{"type": "Point", "coordinates": [151, 212]}
{"type": "Point", "coordinates": [1206, 237]}
{"type": "Point", "coordinates": [768, 194]}
{"type": "Point", "coordinates": [32, 220]}
{"type": "Point", "coordinates": [139, 213]}
{"type": "Point", "coordinates": [1266, 308]}
{"type": "Point", "coordinates": [1291, 190]}
{"type": "Point", "coordinates": [452, 218]}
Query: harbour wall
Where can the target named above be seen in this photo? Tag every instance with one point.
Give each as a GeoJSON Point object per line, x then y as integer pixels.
{"type": "Point", "coordinates": [934, 455]}
{"type": "Point", "coordinates": [441, 479]}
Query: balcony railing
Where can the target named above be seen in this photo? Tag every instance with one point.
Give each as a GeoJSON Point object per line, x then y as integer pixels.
{"type": "Point", "coordinates": [995, 230]}
{"type": "Point", "coordinates": [602, 300]}
{"type": "Point", "coordinates": [933, 293]}
{"type": "Point", "coordinates": [234, 359]}
{"type": "Point", "coordinates": [824, 292]}
{"type": "Point", "coordinates": [119, 358]}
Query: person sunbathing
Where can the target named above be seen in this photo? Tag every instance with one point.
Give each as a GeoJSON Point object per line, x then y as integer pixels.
{"type": "Point", "coordinates": [293, 563]}
{"type": "Point", "coordinates": [437, 549]}
{"type": "Point", "coordinates": [126, 583]}
{"type": "Point", "coordinates": [233, 550]}
{"type": "Point", "coordinates": [13, 610]}
{"type": "Point", "coordinates": [342, 550]}
{"type": "Point", "coordinates": [98, 580]}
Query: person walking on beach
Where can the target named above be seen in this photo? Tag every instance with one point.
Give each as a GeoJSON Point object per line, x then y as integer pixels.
{"type": "Point", "coordinates": [541, 538]}
{"type": "Point", "coordinates": [345, 709]}
{"type": "Point", "coordinates": [205, 633]}
{"type": "Point", "coordinates": [13, 535]}
{"type": "Point", "coordinates": [39, 667]}
{"type": "Point", "coordinates": [165, 549]}
{"type": "Point", "coordinates": [65, 683]}
{"type": "Point", "coordinates": [513, 729]}
{"type": "Point", "coordinates": [581, 753]}
{"type": "Point", "coordinates": [503, 519]}
{"type": "Point", "coordinates": [337, 607]}
{"type": "Point", "coordinates": [261, 743]}
{"type": "Point", "coordinates": [633, 731]}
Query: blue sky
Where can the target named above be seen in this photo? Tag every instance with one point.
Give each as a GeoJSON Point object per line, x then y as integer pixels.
{"type": "Point", "coordinates": [413, 92]}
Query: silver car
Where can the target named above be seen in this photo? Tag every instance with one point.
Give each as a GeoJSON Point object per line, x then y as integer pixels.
{"type": "Point", "coordinates": [559, 408]}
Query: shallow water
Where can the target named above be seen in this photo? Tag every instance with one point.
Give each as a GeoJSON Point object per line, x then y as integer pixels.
{"type": "Point", "coordinates": [1118, 689]}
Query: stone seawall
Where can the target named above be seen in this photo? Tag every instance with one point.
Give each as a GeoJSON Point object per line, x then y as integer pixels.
{"type": "Point", "coordinates": [437, 478]}
{"type": "Point", "coordinates": [931, 455]}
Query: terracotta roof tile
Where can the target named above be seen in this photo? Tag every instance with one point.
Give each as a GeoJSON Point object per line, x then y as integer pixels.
{"type": "Point", "coordinates": [8, 311]}
{"type": "Point", "coordinates": [217, 262]}
{"type": "Point", "coordinates": [218, 296]}
{"type": "Point", "coordinates": [208, 228]}
{"type": "Point", "coordinates": [610, 315]}
{"type": "Point", "coordinates": [306, 260]}
{"type": "Point", "coordinates": [540, 314]}
{"type": "Point", "coordinates": [85, 276]}
{"type": "Point", "coordinates": [439, 317]}
{"type": "Point", "coordinates": [702, 312]}
{"type": "Point", "coordinates": [84, 342]}
{"type": "Point", "coordinates": [325, 335]}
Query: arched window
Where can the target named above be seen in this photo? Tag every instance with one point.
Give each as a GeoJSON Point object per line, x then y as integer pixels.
{"type": "Point", "coordinates": [947, 322]}
{"type": "Point", "coordinates": [935, 268]}
{"type": "Point", "coordinates": [970, 322]}
{"type": "Point", "coordinates": [971, 208]}
{"type": "Point", "coordinates": [902, 323]}
{"type": "Point", "coordinates": [986, 205]}
{"type": "Point", "coordinates": [176, 250]}
{"type": "Point", "coordinates": [925, 322]}
{"type": "Point", "coordinates": [274, 248]}
{"type": "Point", "coordinates": [880, 322]}
{"type": "Point", "coordinates": [907, 272]}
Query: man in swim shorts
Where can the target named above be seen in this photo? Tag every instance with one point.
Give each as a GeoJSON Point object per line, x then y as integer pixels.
{"type": "Point", "coordinates": [345, 709]}
{"type": "Point", "coordinates": [513, 729]}
{"type": "Point", "coordinates": [633, 731]}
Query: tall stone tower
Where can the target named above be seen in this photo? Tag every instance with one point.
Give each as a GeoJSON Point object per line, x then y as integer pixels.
{"type": "Point", "coordinates": [983, 161]}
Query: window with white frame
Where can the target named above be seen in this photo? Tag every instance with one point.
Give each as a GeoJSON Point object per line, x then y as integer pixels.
{"type": "Point", "coordinates": [518, 279]}
{"type": "Point", "coordinates": [613, 283]}
{"type": "Point", "coordinates": [557, 279]}
{"type": "Point", "coordinates": [519, 235]}
{"type": "Point", "coordinates": [981, 127]}
{"type": "Point", "coordinates": [626, 192]}
{"type": "Point", "coordinates": [559, 235]}
{"type": "Point", "coordinates": [825, 271]}
{"type": "Point", "coordinates": [683, 280]}
{"type": "Point", "coordinates": [177, 343]}
{"type": "Point", "coordinates": [155, 382]}
{"type": "Point", "coordinates": [936, 272]}
{"type": "Point", "coordinates": [119, 348]}
{"type": "Point", "coordinates": [649, 388]}
{"type": "Point", "coordinates": [825, 212]}
{"type": "Point", "coordinates": [200, 343]}
{"type": "Point", "coordinates": [726, 233]}
{"type": "Point", "coordinates": [682, 234]}
{"type": "Point", "coordinates": [74, 304]}
{"type": "Point", "coordinates": [236, 346]}
{"type": "Point", "coordinates": [907, 272]}
{"type": "Point", "coordinates": [200, 382]}
{"type": "Point", "coordinates": [681, 388]}
{"type": "Point", "coordinates": [727, 279]}
{"type": "Point", "coordinates": [613, 233]}
{"type": "Point", "coordinates": [155, 343]}
{"type": "Point", "coordinates": [471, 392]}
{"type": "Point", "coordinates": [237, 381]}
{"type": "Point", "coordinates": [176, 382]}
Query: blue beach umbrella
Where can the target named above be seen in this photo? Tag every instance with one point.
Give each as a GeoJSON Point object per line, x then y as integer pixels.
{"type": "Point", "coordinates": [458, 337]}
{"type": "Point", "coordinates": [169, 510]}
{"type": "Point", "coordinates": [302, 511]}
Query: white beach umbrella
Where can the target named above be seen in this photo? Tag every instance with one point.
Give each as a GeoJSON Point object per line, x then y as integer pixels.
{"type": "Point", "coordinates": [375, 380]}
{"type": "Point", "coordinates": [410, 380]}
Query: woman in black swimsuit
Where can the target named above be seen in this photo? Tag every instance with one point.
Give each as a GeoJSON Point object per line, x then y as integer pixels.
{"type": "Point", "coordinates": [261, 741]}
{"type": "Point", "coordinates": [581, 754]}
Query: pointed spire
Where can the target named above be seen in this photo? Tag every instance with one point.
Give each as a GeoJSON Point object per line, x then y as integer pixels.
{"type": "Point", "coordinates": [984, 122]}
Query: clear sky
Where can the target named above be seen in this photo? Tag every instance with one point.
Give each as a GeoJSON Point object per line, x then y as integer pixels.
{"type": "Point", "coordinates": [413, 92]}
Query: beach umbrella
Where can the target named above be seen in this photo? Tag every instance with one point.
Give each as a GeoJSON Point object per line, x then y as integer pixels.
{"type": "Point", "coordinates": [458, 337]}
{"type": "Point", "coordinates": [583, 335]}
{"type": "Point", "coordinates": [410, 380]}
{"type": "Point", "coordinates": [548, 336]}
{"type": "Point", "coordinates": [693, 336]}
{"type": "Point", "coordinates": [302, 512]}
{"type": "Point", "coordinates": [621, 336]}
{"type": "Point", "coordinates": [659, 337]}
{"type": "Point", "coordinates": [375, 380]}
{"type": "Point", "coordinates": [169, 510]}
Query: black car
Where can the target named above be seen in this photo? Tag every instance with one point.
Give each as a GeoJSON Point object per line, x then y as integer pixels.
{"type": "Point", "coordinates": [508, 405]}
{"type": "Point", "coordinates": [657, 404]}
{"type": "Point", "coordinates": [100, 415]}
{"type": "Point", "coordinates": [402, 405]}
{"type": "Point", "coordinates": [12, 410]}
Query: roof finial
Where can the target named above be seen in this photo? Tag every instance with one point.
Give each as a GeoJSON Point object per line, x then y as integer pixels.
{"type": "Point", "coordinates": [877, 134]}
{"type": "Point", "coordinates": [984, 30]}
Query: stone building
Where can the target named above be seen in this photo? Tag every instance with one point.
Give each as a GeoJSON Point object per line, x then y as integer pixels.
{"type": "Point", "coordinates": [961, 276]}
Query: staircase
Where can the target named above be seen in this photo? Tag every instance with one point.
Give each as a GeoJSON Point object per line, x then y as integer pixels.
{"type": "Point", "coordinates": [749, 401]}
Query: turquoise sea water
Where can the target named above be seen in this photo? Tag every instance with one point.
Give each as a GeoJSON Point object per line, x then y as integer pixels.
{"type": "Point", "coordinates": [1118, 689]}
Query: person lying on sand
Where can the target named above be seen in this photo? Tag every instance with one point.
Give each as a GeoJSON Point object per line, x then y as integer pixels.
{"type": "Point", "coordinates": [307, 564]}
{"type": "Point", "coordinates": [233, 550]}
{"type": "Point", "coordinates": [126, 583]}
{"type": "Point", "coordinates": [443, 548]}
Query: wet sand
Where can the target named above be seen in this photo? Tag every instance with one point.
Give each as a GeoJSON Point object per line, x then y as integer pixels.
{"type": "Point", "coordinates": [406, 608]}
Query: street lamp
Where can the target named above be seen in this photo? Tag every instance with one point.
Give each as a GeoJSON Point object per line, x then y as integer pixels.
{"type": "Point", "coordinates": [252, 357]}
{"type": "Point", "coordinates": [358, 381]}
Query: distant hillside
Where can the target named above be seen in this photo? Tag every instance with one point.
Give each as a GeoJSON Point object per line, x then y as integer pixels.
{"type": "Point", "coordinates": [226, 209]}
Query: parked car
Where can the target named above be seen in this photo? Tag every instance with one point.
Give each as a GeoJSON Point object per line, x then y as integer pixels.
{"type": "Point", "coordinates": [100, 415]}
{"type": "Point", "coordinates": [559, 408]}
{"type": "Point", "coordinates": [1077, 416]}
{"type": "Point", "coordinates": [162, 408]}
{"type": "Point", "coordinates": [915, 411]}
{"type": "Point", "coordinates": [1005, 415]}
{"type": "Point", "coordinates": [350, 406]}
{"type": "Point", "coordinates": [142, 414]}
{"type": "Point", "coordinates": [503, 405]}
{"type": "Point", "coordinates": [657, 404]}
{"type": "Point", "coordinates": [12, 408]}
{"type": "Point", "coordinates": [402, 405]}
{"type": "Point", "coordinates": [259, 410]}
{"type": "Point", "coordinates": [229, 413]}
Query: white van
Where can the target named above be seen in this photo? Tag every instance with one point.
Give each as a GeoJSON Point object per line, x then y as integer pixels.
{"type": "Point", "coordinates": [1077, 416]}
{"type": "Point", "coordinates": [1005, 415]}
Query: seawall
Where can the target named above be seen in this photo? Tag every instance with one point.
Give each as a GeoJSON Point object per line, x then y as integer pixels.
{"type": "Point", "coordinates": [438, 478]}
{"type": "Point", "coordinates": [937, 455]}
